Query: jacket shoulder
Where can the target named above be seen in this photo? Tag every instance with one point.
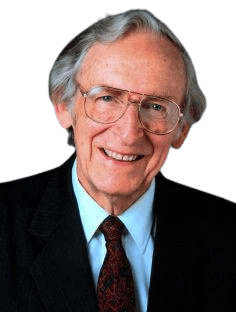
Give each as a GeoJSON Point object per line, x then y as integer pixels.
{"type": "Point", "coordinates": [198, 195]}
{"type": "Point", "coordinates": [197, 203]}
{"type": "Point", "coordinates": [26, 187]}
{"type": "Point", "coordinates": [19, 199]}
{"type": "Point", "coordinates": [30, 189]}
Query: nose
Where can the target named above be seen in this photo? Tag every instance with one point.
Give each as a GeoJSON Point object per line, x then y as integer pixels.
{"type": "Point", "coordinates": [128, 127]}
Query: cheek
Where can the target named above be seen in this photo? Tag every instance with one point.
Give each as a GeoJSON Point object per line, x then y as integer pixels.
{"type": "Point", "coordinates": [161, 146]}
{"type": "Point", "coordinates": [82, 134]}
{"type": "Point", "coordinates": [85, 133]}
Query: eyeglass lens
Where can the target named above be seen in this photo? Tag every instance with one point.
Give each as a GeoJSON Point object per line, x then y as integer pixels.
{"type": "Point", "coordinates": [107, 105]}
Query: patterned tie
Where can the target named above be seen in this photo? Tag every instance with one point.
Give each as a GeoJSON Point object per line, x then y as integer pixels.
{"type": "Point", "coordinates": [115, 283]}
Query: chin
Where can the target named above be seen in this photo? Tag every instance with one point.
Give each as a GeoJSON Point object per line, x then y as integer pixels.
{"type": "Point", "coordinates": [121, 189]}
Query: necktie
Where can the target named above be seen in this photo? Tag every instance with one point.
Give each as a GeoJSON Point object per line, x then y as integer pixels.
{"type": "Point", "coordinates": [115, 288]}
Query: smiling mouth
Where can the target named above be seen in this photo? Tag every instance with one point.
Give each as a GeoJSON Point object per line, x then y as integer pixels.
{"type": "Point", "coordinates": [121, 157]}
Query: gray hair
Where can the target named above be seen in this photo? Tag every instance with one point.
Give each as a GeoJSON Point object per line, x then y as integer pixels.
{"type": "Point", "coordinates": [62, 84]}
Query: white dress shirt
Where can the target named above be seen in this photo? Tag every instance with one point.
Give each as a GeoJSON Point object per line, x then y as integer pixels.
{"type": "Point", "coordinates": [138, 239]}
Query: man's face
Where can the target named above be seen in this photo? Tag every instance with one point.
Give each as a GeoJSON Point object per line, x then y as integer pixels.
{"type": "Point", "coordinates": [139, 63]}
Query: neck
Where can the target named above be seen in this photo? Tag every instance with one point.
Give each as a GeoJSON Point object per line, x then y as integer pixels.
{"type": "Point", "coordinates": [114, 204]}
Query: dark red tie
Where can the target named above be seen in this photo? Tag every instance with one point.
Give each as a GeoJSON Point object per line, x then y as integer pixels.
{"type": "Point", "coordinates": [115, 288]}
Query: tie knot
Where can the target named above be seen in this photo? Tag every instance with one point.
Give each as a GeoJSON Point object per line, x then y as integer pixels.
{"type": "Point", "coordinates": [112, 228]}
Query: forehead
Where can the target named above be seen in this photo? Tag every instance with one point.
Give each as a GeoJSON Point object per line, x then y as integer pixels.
{"type": "Point", "coordinates": [140, 62]}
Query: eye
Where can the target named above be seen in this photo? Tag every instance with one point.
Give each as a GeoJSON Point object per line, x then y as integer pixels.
{"type": "Point", "coordinates": [104, 98]}
{"type": "Point", "coordinates": [156, 107]}
{"type": "Point", "coordinates": [107, 98]}
{"type": "Point", "coordinates": [153, 106]}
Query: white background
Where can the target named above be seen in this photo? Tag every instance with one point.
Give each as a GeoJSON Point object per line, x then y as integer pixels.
{"type": "Point", "coordinates": [34, 32]}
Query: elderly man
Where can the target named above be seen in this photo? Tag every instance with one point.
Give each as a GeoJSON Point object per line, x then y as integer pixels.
{"type": "Point", "coordinates": [106, 231]}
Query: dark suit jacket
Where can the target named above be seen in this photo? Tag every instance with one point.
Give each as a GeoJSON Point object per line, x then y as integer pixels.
{"type": "Point", "coordinates": [44, 263]}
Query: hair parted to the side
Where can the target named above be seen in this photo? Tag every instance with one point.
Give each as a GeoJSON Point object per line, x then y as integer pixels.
{"type": "Point", "coordinates": [62, 84]}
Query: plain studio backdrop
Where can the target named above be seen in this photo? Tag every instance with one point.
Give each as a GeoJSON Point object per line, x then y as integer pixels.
{"type": "Point", "coordinates": [34, 32]}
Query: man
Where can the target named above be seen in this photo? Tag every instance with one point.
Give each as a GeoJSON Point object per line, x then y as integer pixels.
{"type": "Point", "coordinates": [126, 91]}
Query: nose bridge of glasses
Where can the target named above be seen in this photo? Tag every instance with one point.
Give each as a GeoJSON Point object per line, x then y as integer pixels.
{"type": "Point", "coordinates": [134, 98]}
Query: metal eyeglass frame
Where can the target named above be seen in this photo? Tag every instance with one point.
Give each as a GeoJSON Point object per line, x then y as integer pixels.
{"type": "Point", "coordinates": [139, 103]}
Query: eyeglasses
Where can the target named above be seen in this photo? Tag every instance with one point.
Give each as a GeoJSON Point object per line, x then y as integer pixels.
{"type": "Point", "coordinates": [107, 105]}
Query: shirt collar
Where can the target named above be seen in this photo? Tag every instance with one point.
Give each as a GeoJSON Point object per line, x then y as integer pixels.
{"type": "Point", "coordinates": [138, 218]}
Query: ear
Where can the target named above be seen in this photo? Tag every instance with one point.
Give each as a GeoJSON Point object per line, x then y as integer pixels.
{"type": "Point", "coordinates": [63, 115]}
{"type": "Point", "coordinates": [181, 135]}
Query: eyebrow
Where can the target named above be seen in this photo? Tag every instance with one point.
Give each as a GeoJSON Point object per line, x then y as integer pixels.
{"type": "Point", "coordinates": [164, 95]}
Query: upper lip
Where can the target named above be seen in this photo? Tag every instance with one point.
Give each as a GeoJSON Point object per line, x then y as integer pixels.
{"type": "Point", "coordinates": [118, 156]}
{"type": "Point", "coordinates": [123, 153]}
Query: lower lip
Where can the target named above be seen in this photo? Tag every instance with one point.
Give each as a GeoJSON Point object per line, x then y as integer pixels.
{"type": "Point", "coordinates": [119, 162]}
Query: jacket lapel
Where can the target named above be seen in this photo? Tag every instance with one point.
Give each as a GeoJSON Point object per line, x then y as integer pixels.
{"type": "Point", "coordinates": [61, 270]}
{"type": "Point", "coordinates": [177, 269]}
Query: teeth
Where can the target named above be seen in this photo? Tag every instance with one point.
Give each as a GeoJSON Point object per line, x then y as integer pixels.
{"type": "Point", "coordinates": [119, 156]}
